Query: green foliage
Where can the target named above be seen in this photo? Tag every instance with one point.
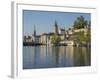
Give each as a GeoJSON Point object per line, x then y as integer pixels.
{"type": "Point", "coordinates": [82, 38]}
{"type": "Point", "coordinates": [80, 22]}
{"type": "Point", "coordinates": [88, 37]}
{"type": "Point", "coordinates": [89, 23]}
{"type": "Point", "coordinates": [55, 39]}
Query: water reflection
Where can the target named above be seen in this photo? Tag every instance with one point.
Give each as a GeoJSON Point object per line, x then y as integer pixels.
{"type": "Point", "coordinates": [55, 56]}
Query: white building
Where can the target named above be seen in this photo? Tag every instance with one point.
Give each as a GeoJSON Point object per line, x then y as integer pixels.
{"type": "Point", "coordinates": [36, 39]}
{"type": "Point", "coordinates": [44, 38]}
{"type": "Point", "coordinates": [61, 31]}
{"type": "Point", "coordinates": [69, 43]}
{"type": "Point", "coordinates": [28, 39]}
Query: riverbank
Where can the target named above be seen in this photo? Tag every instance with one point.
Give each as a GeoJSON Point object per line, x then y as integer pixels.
{"type": "Point", "coordinates": [40, 44]}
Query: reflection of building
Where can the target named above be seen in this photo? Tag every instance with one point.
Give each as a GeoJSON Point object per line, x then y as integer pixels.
{"type": "Point", "coordinates": [70, 55]}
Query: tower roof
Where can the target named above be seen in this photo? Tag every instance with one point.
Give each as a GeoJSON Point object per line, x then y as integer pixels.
{"type": "Point", "coordinates": [34, 30]}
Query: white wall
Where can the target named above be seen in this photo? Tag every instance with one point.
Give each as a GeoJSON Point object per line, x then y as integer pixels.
{"type": "Point", "coordinates": [5, 40]}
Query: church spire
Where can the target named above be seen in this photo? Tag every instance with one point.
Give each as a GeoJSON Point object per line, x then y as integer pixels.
{"type": "Point", "coordinates": [56, 28]}
{"type": "Point", "coordinates": [34, 30]}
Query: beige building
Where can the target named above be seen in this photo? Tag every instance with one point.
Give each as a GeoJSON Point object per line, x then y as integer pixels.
{"type": "Point", "coordinates": [85, 30]}
{"type": "Point", "coordinates": [69, 43]}
{"type": "Point", "coordinates": [44, 38]}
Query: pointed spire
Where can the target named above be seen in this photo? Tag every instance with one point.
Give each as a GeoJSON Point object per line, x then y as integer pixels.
{"type": "Point", "coordinates": [56, 28]}
{"type": "Point", "coordinates": [34, 30]}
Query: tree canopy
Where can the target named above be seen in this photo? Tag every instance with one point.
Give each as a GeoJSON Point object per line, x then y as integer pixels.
{"type": "Point", "coordinates": [55, 39]}
{"type": "Point", "coordinates": [80, 22]}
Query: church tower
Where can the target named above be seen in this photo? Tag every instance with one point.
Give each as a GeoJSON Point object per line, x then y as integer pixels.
{"type": "Point", "coordinates": [34, 31]}
{"type": "Point", "coordinates": [56, 28]}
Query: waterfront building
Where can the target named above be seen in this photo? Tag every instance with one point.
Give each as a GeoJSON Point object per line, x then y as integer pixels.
{"type": "Point", "coordinates": [85, 30]}
{"type": "Point", "coordinates": [35, 37]}
{"type": "Point", "coordinates": [61, 31]}
{"type": "Point", "coordinates": [50, 37]}
{"type": "Point", "coordinates": [80, 30]}
{"type": "Point", "coordinates": [67, 35]}
{"type": "Point", "coordinates": [38, 39]}
{"type": "Point", "coordinates": [70, 31]}
{"type": "Point", "coordinates": [44, 38]}
{"type": "Point", "coordinates": [28, 39]}
{"type": "Point", "coordinates": [67, 42]}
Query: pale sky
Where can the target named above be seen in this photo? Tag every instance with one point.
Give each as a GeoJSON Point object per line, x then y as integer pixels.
{"type": "Point", "coordinates": [45, 20]}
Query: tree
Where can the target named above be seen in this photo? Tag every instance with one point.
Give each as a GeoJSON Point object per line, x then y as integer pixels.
{"type": "Point", "coordinates": [89, 24]}
{"type": "Point", "coordinates": [76, 26]}
{"type": "Point", "coordinates": [55, 39]}
{"type": "Point", "coordinates": [80, 22]}
{"type": "Point", "coordinates": [85, 23]}
{"type": "Point", "coordinates": [82, 38]}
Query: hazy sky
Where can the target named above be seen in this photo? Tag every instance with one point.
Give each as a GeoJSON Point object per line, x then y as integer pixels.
{"type": "Point", "coordinates": [45, 20]}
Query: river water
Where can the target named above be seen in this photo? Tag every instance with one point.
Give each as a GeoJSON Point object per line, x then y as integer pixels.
{"type": "Point", "coordinates": [35, 57]}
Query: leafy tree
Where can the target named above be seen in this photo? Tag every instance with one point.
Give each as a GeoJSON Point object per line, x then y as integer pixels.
{"type": "Point", "coordinates": [55, 39]}
{"type": "Point", "coordinates": [88, 37]}
{"type": "Point", "coordinates": [89, 24]}
{"type": "Point", "coordinates": [82, 38]}
{"type": "Point", "coordinates": [80, 22]}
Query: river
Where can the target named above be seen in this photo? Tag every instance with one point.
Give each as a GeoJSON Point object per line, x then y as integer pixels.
{"type": "Point", "coordinates": [35, 57]}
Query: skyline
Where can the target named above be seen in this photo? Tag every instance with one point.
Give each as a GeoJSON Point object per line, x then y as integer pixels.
{"type": "Point", "coordinates": [44, 20]}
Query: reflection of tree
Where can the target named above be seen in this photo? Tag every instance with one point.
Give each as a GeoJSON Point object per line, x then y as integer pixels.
{"type": "Point", "coordinates": [87, 55]}
{"type": "Point", "coordinates": [70, 58]}
{"type": "Point", "coordinates": [81, 56]}
{"type": "Point", "coordinates": [56, 52]}
{"type": "Point", "coordinates": [78, 57]}
{"type": "Point", "coordinates": [64, 62]}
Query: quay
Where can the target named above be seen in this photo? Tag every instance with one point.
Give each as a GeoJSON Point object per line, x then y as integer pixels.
{"type": "Point", "coordinates": [31, 44]}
